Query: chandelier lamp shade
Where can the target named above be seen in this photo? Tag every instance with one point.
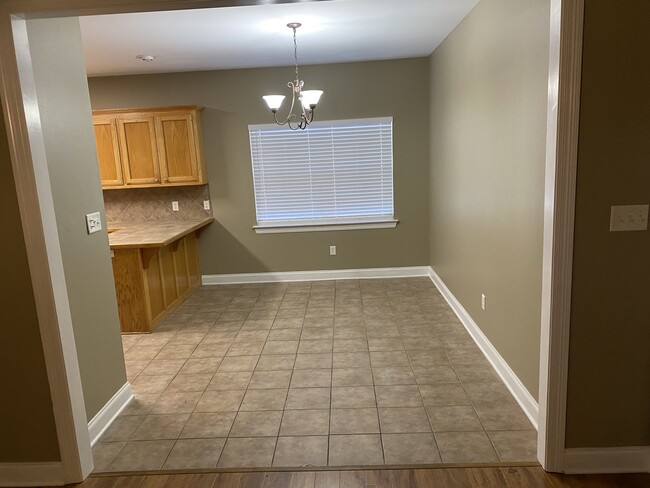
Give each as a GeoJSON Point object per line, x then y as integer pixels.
{"type": "Point", "coordinates": [307, 99]}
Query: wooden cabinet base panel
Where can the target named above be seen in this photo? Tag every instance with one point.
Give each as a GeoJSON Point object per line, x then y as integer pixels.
{"type": "Point", "coordinates": [151, 282]}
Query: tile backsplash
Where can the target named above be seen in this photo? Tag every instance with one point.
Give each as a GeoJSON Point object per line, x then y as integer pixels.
{"type": "Point", "coordinates": [143, 204]}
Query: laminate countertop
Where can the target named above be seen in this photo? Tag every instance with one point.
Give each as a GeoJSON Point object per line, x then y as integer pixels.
{"type": "Point", "coordinates": [153, 233]}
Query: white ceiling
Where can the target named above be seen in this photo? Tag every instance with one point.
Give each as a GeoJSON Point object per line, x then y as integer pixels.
{"type": "Point", "coordinates": [256, 36]}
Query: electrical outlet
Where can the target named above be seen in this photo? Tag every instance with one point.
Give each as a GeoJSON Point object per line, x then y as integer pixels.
{"type": "Point", "coordinates": [483, 301]}
{"type": "Point", "coordinates": [206, 204]}
{"type": "Point", "coordinates": [332, 250]}
{"type": "Point", "coordinates": [93, 222]}
{"type": "Point", "coordinates": [175, 206]}
{"type": "Point", "coordinates": [628, 217]}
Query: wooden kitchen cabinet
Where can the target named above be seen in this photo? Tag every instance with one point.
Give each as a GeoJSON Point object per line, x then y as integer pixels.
{"type": "Point", "coordinates": [150, 147]}
{"type": "Point", "coordinates": [150, 282]}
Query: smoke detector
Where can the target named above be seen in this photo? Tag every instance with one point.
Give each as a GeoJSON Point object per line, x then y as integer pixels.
{"type": "Point", "coordinates": [147, 58]}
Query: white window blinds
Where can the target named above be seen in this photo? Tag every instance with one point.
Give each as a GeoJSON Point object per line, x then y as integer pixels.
{"type": "Point", "coordinates": [333, 172]}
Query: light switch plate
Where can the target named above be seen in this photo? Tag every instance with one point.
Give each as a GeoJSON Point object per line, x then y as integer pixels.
{"type": "Point", "coordinates": [93, 222]}
{"type": "Point", "coordinates": [628, 217]}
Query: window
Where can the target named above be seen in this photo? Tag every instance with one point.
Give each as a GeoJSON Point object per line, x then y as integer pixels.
{"type": "Point", "coordinates": [333, 175]}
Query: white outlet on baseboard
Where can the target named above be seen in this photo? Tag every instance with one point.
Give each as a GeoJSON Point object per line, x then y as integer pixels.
{"type": "Point", "coordinates": [332, 250]}
{"type": "Point", "coordinates": [206, 204]}
{"type": "Point", "coordinates": [483, 301]}
{"type": "Point", "coordinates": [175, 206]}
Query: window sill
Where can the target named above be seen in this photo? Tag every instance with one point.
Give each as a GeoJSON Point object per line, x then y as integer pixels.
{"type": "Point", "coordinates": [324, 227]}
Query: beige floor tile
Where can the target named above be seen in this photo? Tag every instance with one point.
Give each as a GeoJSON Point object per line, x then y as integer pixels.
{"type": "Point", "coordinates": [404, 420]}
{"type": "Point", "coordinates": [354, 450]}
{"type": "Point", "coordinates": [269, 379]}
{"type": "Point", "coordinates": [351, 360]}
{"type": "Point", "coordinates": [135, 367]}
{"type": "Point", "coordinates": [234, 380]}
{"type": "Point", "coordinates": [311, 378]}
{"type": "Point", "coordinates": [122, 428]}
{"type": "Point", "coordinates": [393, 376]}
{"type": "Point", "coordinates": [189, 382]}
{"type": "Point", "coordinates": [465, 447]}
{"type": "Point", "coordinates": [176, 402]}
{"type": "Point", "coordinates": [156, 427]}
{"type": "Point", "coordinates": [491, 392]}
{"type": "Point", "coordinates": [428, 359]}
{"type": "Point", "coordinates": [453, 419]}
{"type": "Point", "coordinates": [410, 449]}
{"type": "Point", "coordinates": [180, 351]}
{"type": "Point", "coordinates": [466, 355]}
{"type": "Point", "coordinates": [141, 404]}
{"type": "Point", "coordinates": [164, 366]}
{"type": "Point", "coordinates": [201, 366]}
{"type": "Point", "coordinates": [285, 335]}
{"type": "Point", "coordinates": [350, 345]}
{"type": "Point", "coordinates": [142, 456]}
{"type": "Point", "coordinates": [104, 453]}
{"type": "Point", "coordinates": [256, 424]}
{"type": "Point", "coordinates": [352, 377]}
{"type": "Point", "coordinates": [194, 454]}
{"type": "Point", "coordinates": [398, 396]}
{"type": "Point", "coordinates": [201, 425]}
{"type": "Point", "coordinates": [141, 353]}
{"type": "Point", "coordinates": [317, 333]}
{"type": "Point", "coordinates": [315, 346]}
{"type": "Point", "coordinates": [238, 363]}
{"type": "Point", "coordinates": [314, 361]}
{"type": "Point", "coordinates": [292, 319]}
{"type": "Point", "coordinates": [275, 362]}
{"type": "Point", "coordinates": [353, 397]}
{"type": "Point", "coordinates": [245, 349]}
{"type": "Point", "coordinates": [308, 398]}
{"type": "Point", "coordinates": [257, 400]}
{"type": "Point", "coordinates": [254, 452]}
{"type": "Point", "coordinates": [504, 416]}
{"type": "Point", "coordinates": [389, 359]}
{"type": "Point", "coordinates": [305, 422]}
{"type": "Point", "coordinates": [385, 344]}
{"type": "Point", "coordinates": [354, 421]}
{"type": "Point", "coordinates": [252, 336]}
{"type": "Point", "coordinates": [343, 331]}
{"type": "Point", "coordinates": [151, 384]}
{"type": "Point", "coordinates": [434, 375]}
{"type": "Point", "coordinates": [444, 395]}
{"type": "Point", "coordinates": [469, 373]}
{"type": "Point", "coordinates": [515, 445]}
{"type": "Point", "coordinates": [281, 347]}
{"type": "Point", "coordinates": [210, 350]}
{"type": "Point", "coordinates": [220, 401]}
{"type": "Point", "coordinates": [301, 451]}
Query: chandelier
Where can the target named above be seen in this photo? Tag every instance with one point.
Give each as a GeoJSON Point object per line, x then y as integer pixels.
{"type": "Point", "coordinates": [307, 98]}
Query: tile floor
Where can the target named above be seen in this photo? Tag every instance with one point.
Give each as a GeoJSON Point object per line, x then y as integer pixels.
{"type": "Point", "coordinates": [345, 373]}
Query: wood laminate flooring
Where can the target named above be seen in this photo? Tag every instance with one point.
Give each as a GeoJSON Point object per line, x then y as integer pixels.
{"type": "Point", "coordinates": [479, 477]}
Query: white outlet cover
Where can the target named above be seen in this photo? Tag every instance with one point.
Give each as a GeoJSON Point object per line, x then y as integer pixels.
{"type": "Point", "coordinates": [206, 204]}
{"type": "Point", "coordinates": [332, 250]}
{"type": "Point", "coordinates": [93, 222]}
{"type": "Point", "coordinates": [175, 206]}
{"type": "Point", "coordinates": [628, 218]}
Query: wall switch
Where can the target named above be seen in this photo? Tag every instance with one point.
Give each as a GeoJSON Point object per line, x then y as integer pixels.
{"type": "Point", "coordinates": [332, 250]}
{"type": "Point", "coordinates": [93, 222]}
{"type": "Point", "coordinates": [628, 217]}
{"type": "Point", "coordinates": [483, 301]}
{"type": "Point", "coordinates": [206, 204]}
{"type": "Point", "coordinates": [175, 206]}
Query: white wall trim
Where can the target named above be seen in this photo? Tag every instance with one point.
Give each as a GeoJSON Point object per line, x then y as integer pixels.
{"type": "Point", "coordinates": [319, 275]}
{"type": "Point", "coordinates": [507, 375]}
{"type": "Point", "coordinates": [103, 419]}
{"type": "Point", "coordinates": [563, 111]}
{"type": "Point", "coordinates": [607, 460]}
{"type": "Point", "coordinates": [32, 474]}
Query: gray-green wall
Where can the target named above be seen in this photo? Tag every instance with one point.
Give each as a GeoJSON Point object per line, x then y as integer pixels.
{"type": "Point", "coordinates": [609, 361]}
{"type": "Point", "coordinates": [488, 125]}
{"type": "Point", "coordinates": [62, 92]}
{"type": "Point", "coordinates": [233, 101]}
{"type": "Point", "coordinates": [27, 428]}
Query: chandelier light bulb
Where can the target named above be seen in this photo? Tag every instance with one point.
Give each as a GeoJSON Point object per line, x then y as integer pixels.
{"type": "Point", "coordinates": [274, 101]}
{"type": "Point", "coordinates": [310, 98]}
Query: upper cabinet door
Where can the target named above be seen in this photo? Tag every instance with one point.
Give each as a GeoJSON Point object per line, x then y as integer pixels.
{"type": "Point", "coordinates": [139, 153]}
{"type": "Point", "coordinates": [108, 153]}
{"type": "Point", "coordinates": [177, 151]}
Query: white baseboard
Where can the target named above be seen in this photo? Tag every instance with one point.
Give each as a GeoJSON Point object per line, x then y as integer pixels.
{"type": "Point", "coordinates": [607, 460]}
{"type": "Point", "coordinates": [335, 274]}
{"type": "Point", "coordinates": [32, 474]}
{"type": "Point", "coordinates": [507, 375]}
{"type": "Point", "coordinates": [107, 414]}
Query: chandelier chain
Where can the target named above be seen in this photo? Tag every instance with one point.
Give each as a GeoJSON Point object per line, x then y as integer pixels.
{"type": "Point", "coordinates": [295, 51]}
